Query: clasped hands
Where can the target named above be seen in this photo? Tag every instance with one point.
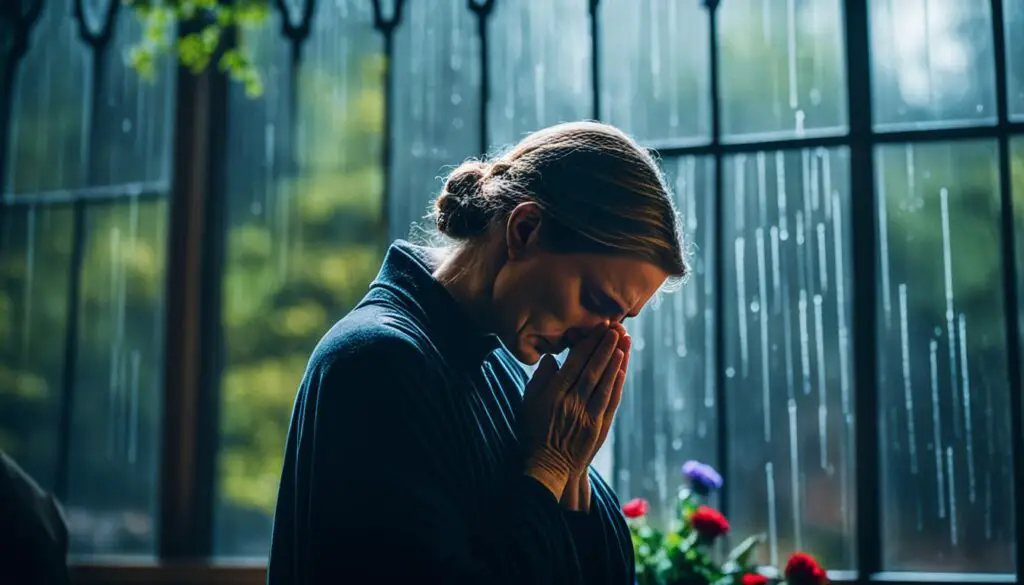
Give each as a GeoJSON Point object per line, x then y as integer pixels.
{"type": "Point", "coordinates": [568, 411]}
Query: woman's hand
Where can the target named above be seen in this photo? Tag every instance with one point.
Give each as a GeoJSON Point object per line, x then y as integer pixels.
{"type": "Point", "coordinates": [563, 412]}
{"type": "Point", "coordinates": [577, 490]}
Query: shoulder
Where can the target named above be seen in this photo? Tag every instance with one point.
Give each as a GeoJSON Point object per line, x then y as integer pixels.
{"type": "Point", "coordinates": [371, 341]}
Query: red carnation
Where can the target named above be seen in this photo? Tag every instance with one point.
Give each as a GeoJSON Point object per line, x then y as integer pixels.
{"type": "Point", "coordinates": [803, 569]}
{"type": "Point", "coordinates": [753, 579]}
{"type": "Point", "coordinates": [636, 508]}
{"type": "Point", "coordinates": [709, 523]}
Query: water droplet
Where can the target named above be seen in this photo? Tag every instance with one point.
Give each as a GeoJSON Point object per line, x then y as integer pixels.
{"type": "Point", "coordinates": [755, 306]}
{"type": "Point", "coordinates": [126, 125]}
{"type": "Point", "coordinates": [456, 99]}
{"type": "Point", "coordinates": [730, 372]}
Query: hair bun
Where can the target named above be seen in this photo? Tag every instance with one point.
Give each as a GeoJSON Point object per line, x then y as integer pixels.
{"type": "Point", "coordinates": [461, 210]}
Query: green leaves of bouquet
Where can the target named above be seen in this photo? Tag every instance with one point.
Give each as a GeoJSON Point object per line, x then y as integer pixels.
{"type": "Point", "coordinates": [684, 555]}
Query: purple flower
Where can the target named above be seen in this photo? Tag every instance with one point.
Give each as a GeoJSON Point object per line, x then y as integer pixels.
{"type": "Point", "coordinates": [703, 478]}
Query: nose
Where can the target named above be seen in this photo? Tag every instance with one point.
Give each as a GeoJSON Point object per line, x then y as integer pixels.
{"type": "Point", "coordinates": [576, 333]}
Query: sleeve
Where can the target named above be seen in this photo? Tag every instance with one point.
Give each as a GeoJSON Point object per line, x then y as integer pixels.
{"type": "Point", "coordinates": [379, 438]}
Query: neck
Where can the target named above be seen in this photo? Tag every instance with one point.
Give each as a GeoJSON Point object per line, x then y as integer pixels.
{"type": "Point", "coordinates": [467, 274]}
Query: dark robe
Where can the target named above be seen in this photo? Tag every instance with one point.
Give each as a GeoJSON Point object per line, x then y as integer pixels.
{"type": "Point", "coordinates": [402, 463]}
{"type": "Point", "coordinates": [33, 532]}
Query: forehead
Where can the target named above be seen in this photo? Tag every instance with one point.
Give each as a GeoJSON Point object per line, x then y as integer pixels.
{"type": "Point", "coordinates": [629, 280]}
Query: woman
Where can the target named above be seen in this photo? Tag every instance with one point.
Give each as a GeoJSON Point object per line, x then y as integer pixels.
{"type": "Point", "coordinates": [414, 454]}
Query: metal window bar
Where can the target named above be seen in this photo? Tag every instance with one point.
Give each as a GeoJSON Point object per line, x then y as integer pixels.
{"type": "Point", "coordinates": [386, 24]}
{"type": "Point", "coordinates": [868, 481]}
{"type": "Point", "coordinates": [98, 42]}
{"type": "Point", "coordinates": [1011, 298]}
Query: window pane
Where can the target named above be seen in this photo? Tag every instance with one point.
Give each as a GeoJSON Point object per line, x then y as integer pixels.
{"type": "Point", "coordinates": [305, 237]}
{"type": "Point", "coordinates": [667, 415]}
{"type": "Point", "coordinates": [436, 116]}
{"type": "Point", "coordinates": [655, 53]}
{"type": "Point", "coordinates": [944, 398]}
{"type": "Point", "coordinates": [133, 127]}
{"type": "Point", "coordinates": [58, 143]}
{"type": "Point", "coordinates": [788, 357]}
{"type": "Point", "coordinates": [115, 416]}
{"type": "Point", "coordinates": [540, 60]}
{"type": "Point", "coordinates": [51, 95]}
{"type": "Point", "coordinates": [35, 249]}
{"type": "Point", "coordinates": [1014, 14]}
{"type": "Point", "coordinates": [931, 63]}
{"type": "Point", "coordinates": [783, 68]}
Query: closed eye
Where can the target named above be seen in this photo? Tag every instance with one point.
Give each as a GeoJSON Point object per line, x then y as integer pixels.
{"type": "Point", "coordinates": [602, 304]}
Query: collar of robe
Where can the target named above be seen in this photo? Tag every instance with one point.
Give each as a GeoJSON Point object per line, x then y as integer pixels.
{"type": "Point", "coordinates": [408, 273]}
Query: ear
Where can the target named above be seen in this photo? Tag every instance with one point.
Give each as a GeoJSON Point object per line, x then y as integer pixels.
{"type": "Point", "coordinates": [522, 233]}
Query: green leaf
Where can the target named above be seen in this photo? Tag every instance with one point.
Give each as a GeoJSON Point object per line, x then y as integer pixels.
{"type": "Point", "coordinates": [741, 554]}
{"type": "Point", "coordinates": [195, 50]}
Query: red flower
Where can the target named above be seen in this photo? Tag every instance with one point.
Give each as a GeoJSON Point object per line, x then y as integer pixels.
{"type": "Point", "coordinates": [753, 579]}
{"type": "Point", "coordinates": [635, 508]}
{"type": "Point", "coordinates": [803, 569]}
{"type": "Point", "coordinates": [709, 523]}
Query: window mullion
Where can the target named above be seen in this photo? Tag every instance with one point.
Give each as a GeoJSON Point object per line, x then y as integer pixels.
{"type": "Point", "coordinates": [1011, 297]}
{"type": "Point", "coordinates": [193, 294]}
{"type": "Point", "coordinates": [864, 246]}
{"type": "Point", "coordinates": [721, 405]}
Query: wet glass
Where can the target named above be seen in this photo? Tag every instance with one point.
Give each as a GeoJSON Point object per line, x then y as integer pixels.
{"type": "Point", "coordinates": [944, 397]}
{"type": "Point", "coordinates": [932, 63]}
{"type": "Point", "coordinates": [783, 69]}
{"type": "Point", "coordinates": [305, 235]}
{"type": "Point", "coordinates": [668, 409]}
{"type": "Point", "coordinates": [654, 69]}
{"type": "Point", "coordinates": [788, 360]}
{"type": "Point", "coordinates": [540, 67]}
{"type": "Point", "coordinates": [103, 137]}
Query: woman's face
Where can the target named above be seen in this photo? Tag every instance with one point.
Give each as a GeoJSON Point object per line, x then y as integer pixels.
{"type": "Point", "coordinates": [546, 302]}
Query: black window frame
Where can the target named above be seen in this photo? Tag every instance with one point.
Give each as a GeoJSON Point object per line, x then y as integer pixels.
{"type": "Point", "coordinates": [190, 401]}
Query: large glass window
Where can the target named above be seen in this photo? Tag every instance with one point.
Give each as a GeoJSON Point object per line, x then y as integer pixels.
{"type": "Point", "coordinates": [752, 366]}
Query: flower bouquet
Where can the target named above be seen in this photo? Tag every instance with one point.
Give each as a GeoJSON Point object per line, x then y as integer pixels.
{"type": "Point", "coordinates": [684, 554]}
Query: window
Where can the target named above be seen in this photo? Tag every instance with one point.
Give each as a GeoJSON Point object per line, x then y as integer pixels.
{"type": "Point", "coordinates": [83, 243]}
{"type": "Point", "coordinates": [851, 181]}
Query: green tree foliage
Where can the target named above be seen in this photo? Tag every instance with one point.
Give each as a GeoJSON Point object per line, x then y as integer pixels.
{"type": "Point", "coordinates": [196, 49]}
